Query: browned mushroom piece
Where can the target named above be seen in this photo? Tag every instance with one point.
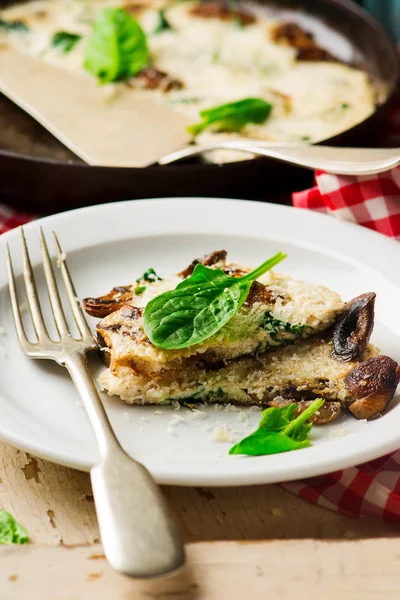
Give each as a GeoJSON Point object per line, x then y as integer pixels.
{"type": "Point", "coordinates": [326, 414]}
{"type": "Point", "coordinates": [222, 11]}
{"type": "Point", "coordinates": [259, 293]}
{"type": "Point", "coordinates": [105, 305]}
{"type": "Point", "coordinates": [372, 385]}
{"type": "Point", "coordinates": [208, 260]}
{"type": "Point", "coordinates": [152, 79]}
{"type": "Point", "coordinates": [353, 329]}
{"type": "Point", "coordinates": [134, 8]}
{"type": "Point", "coordinates": [303, 41]}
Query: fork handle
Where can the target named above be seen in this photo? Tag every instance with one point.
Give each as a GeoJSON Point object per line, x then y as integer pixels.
{"type": "Point", "coordinates": [138, 534]}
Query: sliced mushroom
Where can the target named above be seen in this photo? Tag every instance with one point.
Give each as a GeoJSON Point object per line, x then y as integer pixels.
{"type": "Point", "coordinates": [326, 414]}
{"type": "Point", "coordinates": [105, 305]}
{"type": "Point", "coordinates": [259, 293]}
{"type": "Point", "coordinates": [353, 329]}
{"type": "Point", "coordinates": [222, 11]}
{"type": "Point", "coordinates": [372, 385]}
{"type": "Point", "coordinates": [150, 78]}
{"type": "Point", "coordinates": [303, 41]}
{"type": "Point", "coordinates": [208, 260]}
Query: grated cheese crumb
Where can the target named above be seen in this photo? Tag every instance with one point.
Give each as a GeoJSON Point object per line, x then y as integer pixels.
{"type": "Point", "coordinates": [231, 408]}
{"type": "Point", "coordinates": [221, 433]}
{"type": "Point", "coordinates": [175, 404]}
{"type": "Point", "coordinates": [176, 421]}
{"type": "Point", "coordinates": [244, 416]}
{"type": "Point", "coordinates": [196, 415]}
{"type": "Point", "coordinates": [158, 412]}
{"type": "Point", "coordinates": [337, 432]}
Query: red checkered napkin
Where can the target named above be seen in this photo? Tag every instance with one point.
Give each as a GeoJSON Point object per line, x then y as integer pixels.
{"type": "Point", "coordinates": [9, 218]}
{"type": "Point", "coordinates": [372, 201]}
{"type": "Point", "coordinates": [371, 489]}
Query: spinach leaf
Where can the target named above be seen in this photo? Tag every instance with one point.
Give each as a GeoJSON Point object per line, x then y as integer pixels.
{"type": "Point", "coordinates": [163, 23]}
{"type": "Point", "coordinates": [149, 275]}
{"type": "Point", "coordinates": [275, 326]}
{"type": "Point", "coordinates": [65, 41]}
{"type": "Point", "coordinates": [199, 306]}
{"type": "Point", "coordinates": [13, 25]}
{"type": "Point", "coordinates": [117, 48]}
{"type": "Point", "coordinates": [279, 431]}
{"type": "Point", "coordinates": [233, 116]}
{"type": "Point", "coordinates": [11, 532]}
{"type": "Point", "coordinates": [140, 289]}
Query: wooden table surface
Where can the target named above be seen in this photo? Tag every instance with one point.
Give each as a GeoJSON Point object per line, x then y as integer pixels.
{"type": "Point", "coordinates": [56, 506]}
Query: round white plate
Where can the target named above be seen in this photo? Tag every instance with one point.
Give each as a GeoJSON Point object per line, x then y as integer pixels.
{"type": "Point", "coordinates": [111, 245]}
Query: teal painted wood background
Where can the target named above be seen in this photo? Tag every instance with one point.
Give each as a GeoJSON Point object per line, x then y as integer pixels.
{"type": "Point", "coordinates": [387, 12]}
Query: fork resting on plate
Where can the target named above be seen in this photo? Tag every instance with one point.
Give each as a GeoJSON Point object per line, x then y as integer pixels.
{"type": "Point", "coordinates": [137, 531]}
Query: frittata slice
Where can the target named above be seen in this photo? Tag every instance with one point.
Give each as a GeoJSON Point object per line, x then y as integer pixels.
{"type": "Point", "coordinates": [278, 311]}
{"type": "Point", "coordinates": [297, 373]}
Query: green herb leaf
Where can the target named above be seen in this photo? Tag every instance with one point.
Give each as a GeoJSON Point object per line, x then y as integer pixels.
{"type": "Point", "coordinates": [13, 25]}
{"type": "Point", "coordinates": [65, 41]}
{"type": "Point", "coordinates": [275, 327]}
{"type": "Point", "coordinates": [117, 48]}
{"type": "Point", "coordinates": [140, 289]}
{"type": "Point", "coordinates": [163, 23]}
{"type": "Point", "coordinates": [11, 532]}
{"type": "Point", "coordinates": [149, 275]}
{"type": "Point", "coordinates": [279, 431]}
{"type": "Point", "coordinates": [199, 306]}
{"type": "Point", "coordinates": [233, 116]}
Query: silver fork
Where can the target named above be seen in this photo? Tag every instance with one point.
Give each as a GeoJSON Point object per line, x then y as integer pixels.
{"type": "Point", "coordinates": [137, 531]}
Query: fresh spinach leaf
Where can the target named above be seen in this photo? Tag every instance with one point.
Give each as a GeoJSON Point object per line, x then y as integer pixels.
{"type": "Point", "coordinates": [117, 48]}
{"type": "Point", "coordinates": [233, 116]}
{"type": "Point", "coordinates": [11, 532]}
{"type": "Point", "coordinates": [199, 306]}
{"type": "Point", "coordinates": [13, 25]}
{"type": "Point", "coordinates": [163, 23]}
{"type": "Point", "coordinates": [140, 289]}
{"type": "Point", "coordinates": [65, 41]}
{"type": "Point", "coordinates": [275, 327]}
{"type": "Point", "coordinates": [149, 275]}
{"type": "Point", "coordinates": [279, 431]}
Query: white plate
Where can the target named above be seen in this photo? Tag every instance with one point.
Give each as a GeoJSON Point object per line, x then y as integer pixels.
{"type": "Point", "coordinates": [110, 245]}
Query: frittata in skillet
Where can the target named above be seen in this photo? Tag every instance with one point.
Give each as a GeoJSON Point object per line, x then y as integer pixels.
{"type": "Point", "coordinates": [199, 57]}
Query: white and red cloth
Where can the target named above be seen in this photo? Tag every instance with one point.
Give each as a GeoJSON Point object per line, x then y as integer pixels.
{"type": "Point", "coordinates": [371, 489]}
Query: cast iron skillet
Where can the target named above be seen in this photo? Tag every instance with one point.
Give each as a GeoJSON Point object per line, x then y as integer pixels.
{"type": "Point", "coordinates": [40, 185]}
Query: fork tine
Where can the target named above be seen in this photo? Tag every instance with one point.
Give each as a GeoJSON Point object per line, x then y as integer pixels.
{"type": "Point", "coordinates": [25, 344]}
{"type": "Point", "coordinates": [72, 296]}
{"type": "Point", "coordinates": [31, 293]}
{"type": "Point", "coordinates": [52, 288]}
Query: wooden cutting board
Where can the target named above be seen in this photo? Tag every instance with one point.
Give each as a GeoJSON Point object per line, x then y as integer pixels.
{"type": "Point", "coordinates": [288, 570]}
{"type": "Point", "coordinates": [121, 129]}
